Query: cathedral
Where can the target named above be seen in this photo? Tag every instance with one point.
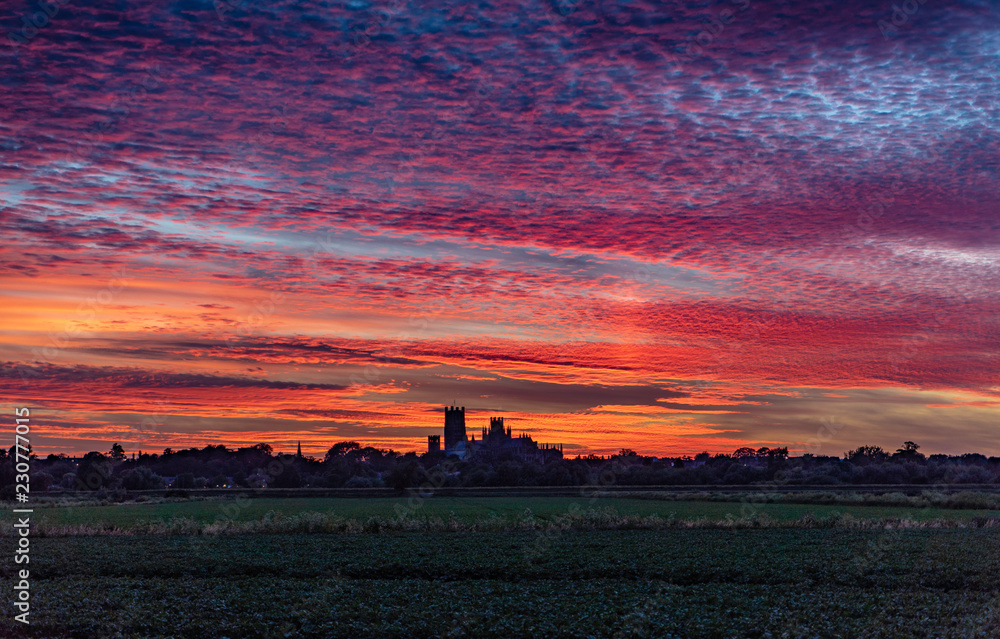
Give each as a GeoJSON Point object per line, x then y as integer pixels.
{"type": "Point", "coordinates": [496, 442]}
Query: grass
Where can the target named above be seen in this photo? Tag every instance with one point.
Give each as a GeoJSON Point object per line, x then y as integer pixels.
{"type": "Point", "coordinates": [471, 513]}
{"type": "Point", "coordinates": [697, 584]}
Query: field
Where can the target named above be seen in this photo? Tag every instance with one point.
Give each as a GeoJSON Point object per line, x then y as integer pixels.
{"type": "Point", "coordinates": [467, 510]}
{"type": "Point", "coordinates": [819, 580]}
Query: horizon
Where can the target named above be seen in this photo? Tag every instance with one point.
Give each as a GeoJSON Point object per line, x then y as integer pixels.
{"type": "Point", "coordinates": [322, 452]}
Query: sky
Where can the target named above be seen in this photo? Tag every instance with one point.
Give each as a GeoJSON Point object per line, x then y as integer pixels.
{"type": "Point", "coordinates": [670, 227]}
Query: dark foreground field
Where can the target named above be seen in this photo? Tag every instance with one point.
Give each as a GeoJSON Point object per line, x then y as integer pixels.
{"type": "Point", "coordinates": [611, 583]}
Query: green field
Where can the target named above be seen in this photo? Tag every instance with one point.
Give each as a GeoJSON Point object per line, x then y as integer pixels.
{"type": "Point", "coordinates": [524, 575]}
{"type": "Point", "coordinates": [465, 510]}
{"type": "Point", "coordinates": [675, 583]}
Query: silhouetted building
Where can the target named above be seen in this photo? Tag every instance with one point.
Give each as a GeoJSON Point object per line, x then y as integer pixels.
{"type": "Point", "coordinates": [497, 443]}
{"type": "Point", "coordinates": [454, 429]}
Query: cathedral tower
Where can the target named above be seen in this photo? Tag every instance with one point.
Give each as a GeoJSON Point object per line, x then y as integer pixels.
{"type": "Point", "coordinates": [454, 426]}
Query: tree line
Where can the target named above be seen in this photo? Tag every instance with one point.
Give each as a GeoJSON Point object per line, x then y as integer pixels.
{"type": "Point", "coordinates": [348, 464]}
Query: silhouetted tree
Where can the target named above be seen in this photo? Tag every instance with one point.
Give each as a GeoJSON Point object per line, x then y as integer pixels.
{"type": "Point", "coordinates": [866, 454]}
{"type": "Point", "coordinates": [340, 449]}
{"type": "Point", "coordinates": [406, 475]}
{"type": "Point", "coordinates": [908, 451]}
{"type": "Point", "coordinates": [94, 472]}
{"type": "Point", "coordinates": [777, 454]}
{"type": "Point", "coordinates": [141, 478]}
{"type": "Point", "coordinates": [117, 452]}
{"type": "Point", "coordinates": [288, 478]}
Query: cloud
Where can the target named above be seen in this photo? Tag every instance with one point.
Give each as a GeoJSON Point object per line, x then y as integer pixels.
{"type": "Point", "coordinates": [554, 209]}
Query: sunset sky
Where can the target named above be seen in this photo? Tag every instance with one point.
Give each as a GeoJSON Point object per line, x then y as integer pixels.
{"type": "Point", "coordinates": [671, 227]}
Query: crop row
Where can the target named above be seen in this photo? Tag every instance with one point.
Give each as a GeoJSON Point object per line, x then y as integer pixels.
{"type": "Point", "coordinates": [591, 519]}
{"type": "Point", "coordinates": [680, 583]}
